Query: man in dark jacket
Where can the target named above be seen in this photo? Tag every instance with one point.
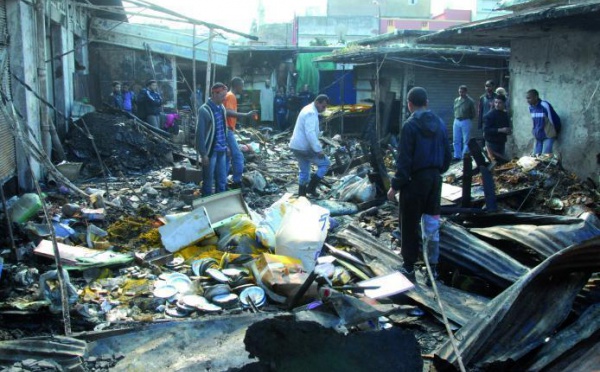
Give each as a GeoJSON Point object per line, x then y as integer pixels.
{"type": "Point", "coordinates": [150, 104]}
{"type": "Point", "coordinates": [496, 126]}
{"type": "Point", "coordinates": [116, 97]}
{"type": "Point", "coordinates": [486, 102]}
{"type": "Point", "coordinates": [211, 140]}
{"type": "Point", "coordinates": [424, 155]}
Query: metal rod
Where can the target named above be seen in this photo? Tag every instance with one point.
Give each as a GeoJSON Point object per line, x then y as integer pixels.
{"type": "Point", "coordinates": [302, 290]}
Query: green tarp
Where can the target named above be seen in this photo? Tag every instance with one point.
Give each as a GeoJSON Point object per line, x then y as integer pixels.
{"type": "Point", "coordinates": [308, 72]}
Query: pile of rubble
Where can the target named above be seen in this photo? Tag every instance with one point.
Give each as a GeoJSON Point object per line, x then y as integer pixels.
{"type": "Point", "coordinates": [118, 143]}
{"type": "Point", "coordinates": [150, 250]}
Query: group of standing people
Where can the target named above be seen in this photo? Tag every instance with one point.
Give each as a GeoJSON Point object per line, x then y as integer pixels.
{"type": "Point", "coordinates": [147, 104]}
{"type": "Point", "coordinates": [425, 154]}
{"type": "Point", "coordinates": [122, 97]}
{"type": "Point", "coordinates": [493, 117]}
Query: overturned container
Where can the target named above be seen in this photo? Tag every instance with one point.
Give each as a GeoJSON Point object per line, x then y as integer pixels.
{"type": "Point", "coordinates": [185, 229]}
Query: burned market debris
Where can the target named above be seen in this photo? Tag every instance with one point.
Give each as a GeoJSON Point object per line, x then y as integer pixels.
{"type": "Point", "coordinates": [147, 255]}
{"type": "Point", "coordinates": [122, 142]}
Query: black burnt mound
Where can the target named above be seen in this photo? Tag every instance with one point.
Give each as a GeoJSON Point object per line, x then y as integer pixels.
{"type": "Point", "coordinates": [123, 144]}
{"type": "Point", "coordinates": [282, 344]}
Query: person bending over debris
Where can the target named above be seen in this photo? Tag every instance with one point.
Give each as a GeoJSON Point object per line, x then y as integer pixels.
{"type": "Point", "coordinates": [231, 104]}
{"type": "Point", "coordinates": [496, 126]}
{"type": "Point", "coordinates": [211, 142]}
{"type": "Point", "coordinates": [424, 155]}
{"type": "Point", "coordinates": [150, 104]}
{"type": "Point", "coordinates": [305, 145]}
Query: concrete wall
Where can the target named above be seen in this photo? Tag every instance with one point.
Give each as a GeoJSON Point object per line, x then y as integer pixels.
{"type": "Point", "coordinates": [386, 8]}
{"type": "Point", "coordinates": [565, 69]}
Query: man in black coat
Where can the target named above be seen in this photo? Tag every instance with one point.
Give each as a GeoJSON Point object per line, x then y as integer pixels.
{"type": "Point", "coordinates": [424, 154]}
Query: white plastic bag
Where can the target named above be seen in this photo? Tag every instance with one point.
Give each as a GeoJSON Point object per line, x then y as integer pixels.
{"type": "Point", "coordinates": [268, 226]}
{"type": "Point", "coordinates": [364, 191]}
{"type": "Point", "coordinates": [302, 232]}
{"type": "Point", "coordinates": [356, 189]}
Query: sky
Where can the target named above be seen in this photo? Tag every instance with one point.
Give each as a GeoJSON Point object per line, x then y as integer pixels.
{"type": "Point", "coordinates": [239, 14]}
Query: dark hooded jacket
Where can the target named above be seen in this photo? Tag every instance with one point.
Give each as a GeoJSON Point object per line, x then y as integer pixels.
{"type": "Point", "coordinates": [423, 145]}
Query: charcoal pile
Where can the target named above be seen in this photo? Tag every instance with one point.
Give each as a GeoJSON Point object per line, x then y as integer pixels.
{"type": "Point", "coordinates": [123, 144]}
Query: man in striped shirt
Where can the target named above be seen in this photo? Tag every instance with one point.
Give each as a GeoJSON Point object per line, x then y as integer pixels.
{"type": "Point", "coordinates": [211, 143]}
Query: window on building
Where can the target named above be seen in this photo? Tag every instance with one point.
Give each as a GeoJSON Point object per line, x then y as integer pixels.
{"type": "Point", "coordinates": [390, 22]}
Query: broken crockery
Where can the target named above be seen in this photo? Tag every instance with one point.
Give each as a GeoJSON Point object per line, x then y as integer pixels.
{"type": "Point", "coordinates": [165, 291]}
{"type": "Point", "coordinates": [217, 275]}
{"type": "Point", "coordinates": [226, 301]}
{"type": "Point", "coordinates": [200, 266]}
{"type": "Point", "coordinates": [181, 282]}
{"type": "Point", "coordinates": [253, 295]}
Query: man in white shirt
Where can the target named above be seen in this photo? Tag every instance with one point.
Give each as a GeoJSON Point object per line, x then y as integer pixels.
{"type": "Point", "coordinates": [306, 147]}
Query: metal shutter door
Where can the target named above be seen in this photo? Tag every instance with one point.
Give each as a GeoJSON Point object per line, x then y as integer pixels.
{"type": "Point", "coordinates": [8, 162]}
{"type": "Point", "coordinates": [442, 89]}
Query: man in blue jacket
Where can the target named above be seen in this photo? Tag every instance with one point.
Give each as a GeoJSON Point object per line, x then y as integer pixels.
{"type": "Point", "coordinates": [546, 123]}
{"type": "Point", "coordinates": [424, 155]}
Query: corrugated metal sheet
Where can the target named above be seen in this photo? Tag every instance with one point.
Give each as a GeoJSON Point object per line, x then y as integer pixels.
{"type": "Point", "coordinates": [462, 249]}
{"type": "Point", "coordinates": [163, 41]}
{"type": "Point", "coordinates": [459, 306]}
{"type": "Point", "coordinates": [525, 314]}
{"type": "Point", "coordinates": [545, 239]}
{"type": "Point", "coordinates": [559, 349]}
{"type": "Point", "coordinates": [8, 163]}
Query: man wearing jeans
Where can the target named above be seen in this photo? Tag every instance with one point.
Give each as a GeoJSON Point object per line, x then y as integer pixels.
{"type": "Point", "coordinates": [231, 104]}
{"type": "Point", "coordinates": [424, 154]}
{"type": "Point", "coordinates": [546, 123]}
{"type": "Point", "coordinates": [306, 147]}
{"type": "Point", "coordinates": [464, 113]}
{"type": "Point", "coordinates": [211, 142]}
